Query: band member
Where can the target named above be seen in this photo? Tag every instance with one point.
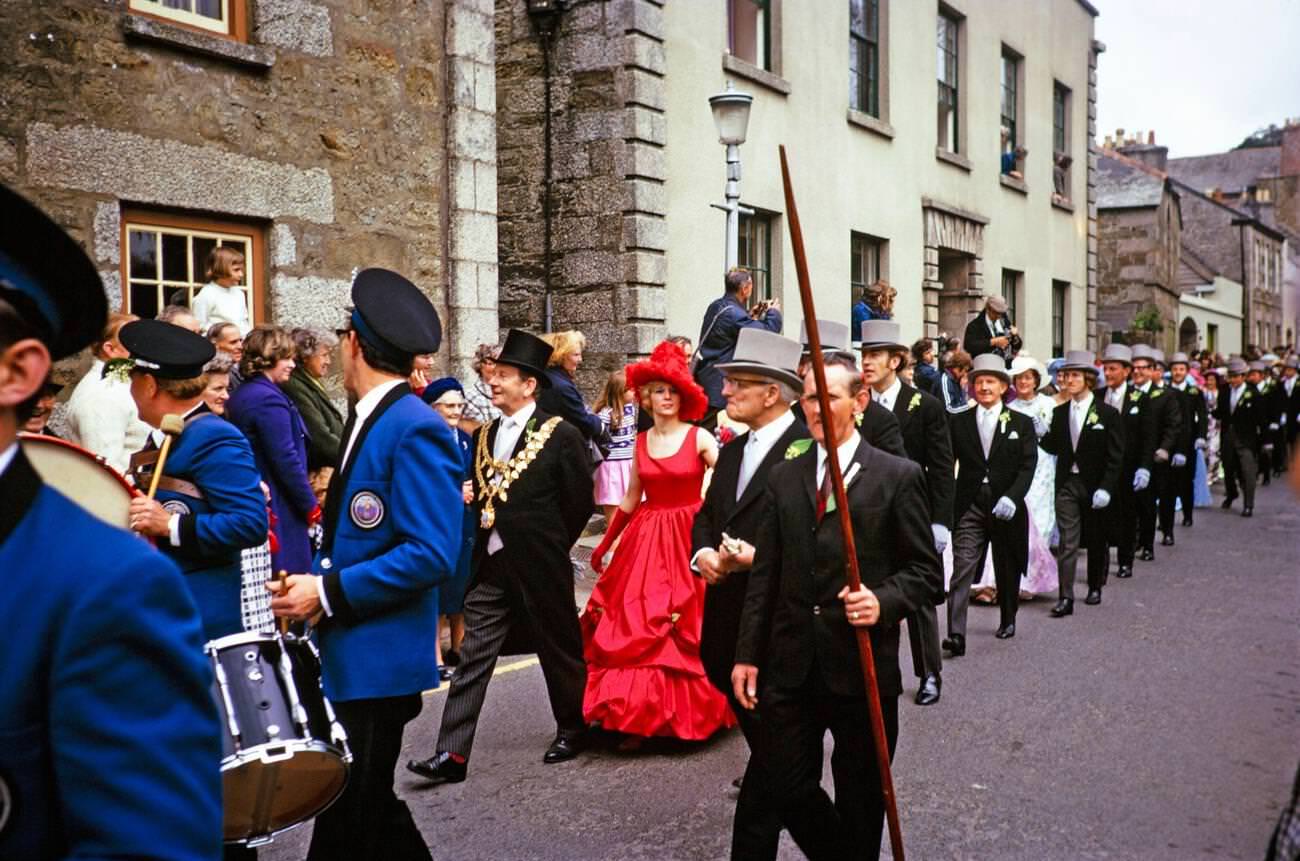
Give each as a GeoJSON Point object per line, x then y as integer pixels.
{"type": "Point", "coordinates": [760, 382]}
{"type": "Point", "coordinates": [797, 656]}
{"type": "Point", "coordinates": [210, 505]}
{"type": "Point", "coordinates": [533, 496]}
{"type": "Point", "coordinates": [103, 664]}
{"type": "Point", "coordinates": [1195, 427]}
{"type": "Point", "coordinates": [1243, 423]}
{"type": "Point", "coordinates": [1088, 440]}
{"type": "Point", "coordinates": [997, 452]}
{"type": "Point", "coordinates": [1167, 418]}
{"type": "Point", "coordinates": [1134, 406]}
{"type": "Point", "coordinates": [923, 423]}
{"type": "Point", "coordinates": [392, 534]}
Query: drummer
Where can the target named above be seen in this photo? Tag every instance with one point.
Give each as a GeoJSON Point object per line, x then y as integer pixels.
{"type": "Point", "coordinates": [110, 735]}
{"type": "Point", "coordinates": [209, 505]}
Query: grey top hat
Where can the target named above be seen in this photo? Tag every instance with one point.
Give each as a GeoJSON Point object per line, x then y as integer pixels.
{"type": "Point", "coordinates": [1158, 357]}
{"type": "Point", "coordinates": [989, 363]}
{"type": "Point", "coordinates": [1142, 351]}
{"type": "Point", "coordinates": [766, 354]}
{"type": "Point", "coordinates": [1079, 360]}
{"type": "Point", "coordinates": [1259, 365]}
{"type": "Point", "coordinates": [1291, 362]}
{"type": "Point", "coordinates": [1179, 357]}
{"type": "Point", "coordinates": [1237, 366]}
{"type": "Point", "coordinates": [881, 335]}
{"type": "Point", "coordinates": [834, 336]}
{"type": "Point", "coordinates": [1118, 353]}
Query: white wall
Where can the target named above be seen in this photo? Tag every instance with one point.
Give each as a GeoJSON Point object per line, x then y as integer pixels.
{"type": "Point", "coordinates": [1222, 307]}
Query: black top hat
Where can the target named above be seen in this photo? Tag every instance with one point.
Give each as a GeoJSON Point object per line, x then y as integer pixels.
{"type": "Point", "coordinates": [165, 350]}
{"type": "Point", "coordinates": [48, 278]}
{"type": "Point", "coordinates": [393, 315]}
{"type": "Point", "coordinates": [528, 353]}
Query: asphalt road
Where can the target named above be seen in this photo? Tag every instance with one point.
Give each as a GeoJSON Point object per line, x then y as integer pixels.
{"type": "Point", "coordinates": [1163, 724]}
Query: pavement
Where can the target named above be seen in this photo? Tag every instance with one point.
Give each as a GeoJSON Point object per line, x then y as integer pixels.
{"type": "Point", "coordinates": [1162, 724]}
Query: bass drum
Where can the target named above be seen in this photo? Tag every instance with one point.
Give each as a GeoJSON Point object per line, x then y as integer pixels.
{"type": "Point", "coordinates": [83, 477]}
{"type": "Point", "coordinates": [285, 756]}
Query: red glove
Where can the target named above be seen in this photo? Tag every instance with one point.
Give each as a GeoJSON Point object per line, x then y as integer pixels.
{"type": "Point", "coordinates": [612, 532]}
{"type": "Point", "coordinates": [315, 516]}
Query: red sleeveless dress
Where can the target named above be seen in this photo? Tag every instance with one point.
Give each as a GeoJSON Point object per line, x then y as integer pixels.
{"type": "Point", "coordinates": [641, 628]}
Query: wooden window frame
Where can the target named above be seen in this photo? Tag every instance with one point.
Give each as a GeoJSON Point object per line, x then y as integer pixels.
{"type": "Point", "coordinates": [865, 97]}
{"type": "Point", "coordinates": [236, 18]}
{"type": "Point", "coordinates": [764, 288]}
{"type": "Point", "coordinates": [254, 268]}
{"type": "Point", "coordinates": [1012, 279]}
{"type": "Point", "coordinates": [1060, 317]}
{"type": "Point", "coordinates": [952, 52]}
{"type": "Point", "coordinates": [763, 40]}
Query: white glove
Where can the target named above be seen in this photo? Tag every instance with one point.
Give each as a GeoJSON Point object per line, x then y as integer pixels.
{"type": "Point", "coordinates": [1272, 426]}
{"type": "Point", "coordinates": [1200, 443]}
{"type": "Point", "coordinates": [1040, 426]}
{"type": "Point", "coordinates": [1162, 456]}
{"type": "Point", "coordinates": [941, 537]}
{"type": "Point", "coordinates": [1005, 509]}
{"type": "Point", "coordinates": [1100, 499]}
{"type": "Point", "coordinates": [1268, 448]}
{"type": "Point", "coordinates": [1282, 419]}
{"type": "Point", "coordinates": [1179, 460]}
{"type": "Point", "coordinates": [1141, 479]}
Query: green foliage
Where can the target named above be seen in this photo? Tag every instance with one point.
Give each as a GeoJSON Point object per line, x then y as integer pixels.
{"type": "Point", "coordinates": [1148, 320]}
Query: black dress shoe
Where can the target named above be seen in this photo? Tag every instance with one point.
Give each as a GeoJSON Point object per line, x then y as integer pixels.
{"type": "Point", "coordinates": [1064, 607]}
{"type": "Point", "coordinates": [445, 673]}
{"type": "Point", "coordinates": [1168, 540]}
{"type": "Point", "coordinates": [1006, 632]}
{"type": "Point", "coordinates": [1147, 554]}
{"type": "Point", "coordinates": [1094, 597]}
{"type": "Point", "coordinates": [1124, 572]}
{"type": "Point", "coordinates": [1227, 501]}
{"type": "Point", "coordinates": [439, 768]}
{"type": "Point", "coordinates": [1187, 520]}
{"type": "Point", "coordinates": [956, 645]}
{"type": "Point", "coordinates": [928, 693]}
{"type": "Point", "coordinates": [1267, 479]}
{"type": "Point", "coordinates": [564, 748]}
{"type": "Point", "coordinates": [451, 658]}
{"type": "Point", "coordinates": [1248, 511]}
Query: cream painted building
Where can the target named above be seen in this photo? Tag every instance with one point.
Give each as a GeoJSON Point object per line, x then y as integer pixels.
{"type": "Point", "coordinates": [938, 220]}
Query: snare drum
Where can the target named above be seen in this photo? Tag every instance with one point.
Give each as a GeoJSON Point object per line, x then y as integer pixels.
{"type": "Point", "coordinates": [285, 756]}
{"type": "Point", "coordinates": [85, 478]}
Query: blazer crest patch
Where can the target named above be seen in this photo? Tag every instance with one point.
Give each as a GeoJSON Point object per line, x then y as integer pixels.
{"type": "Point", "coordinates": [366, 509]}
{"type": "Point", "coordinates": [175, 506]}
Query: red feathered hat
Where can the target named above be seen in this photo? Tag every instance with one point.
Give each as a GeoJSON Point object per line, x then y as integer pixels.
{"type": "Point", "coordinates": [668, 364]}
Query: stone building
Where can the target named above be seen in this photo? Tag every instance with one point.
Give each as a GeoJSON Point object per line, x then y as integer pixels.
{"type": "Point", "coordinates": [606, 220]}
{"type": "Point", "coordinates": [1139, 232]}
{"type": "Point", "coordinates": [316, 135]}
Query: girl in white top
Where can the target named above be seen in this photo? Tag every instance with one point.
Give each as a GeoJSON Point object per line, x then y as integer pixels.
{"type": "Point", "coordinates": [222, 300]}
{"type": "Point", "coordinates": [101, 416]}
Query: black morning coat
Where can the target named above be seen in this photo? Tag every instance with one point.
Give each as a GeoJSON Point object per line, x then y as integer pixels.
{"type": "Point", "coordinates": [793, 623]}
{"type": "Point", "coordinates": [1166, 405]}
{"type": "Point", "coordinates": [1009, 467]}
{"type": "Point", "coordinates": [924, 425]}
{"type": "Point", "coordinates": [1100, 455]}
{"type": "Point", "coordinates": [1249, 422]}
{"type": "Point", "coordinates": [1139, 417]}
{"type": "Point", "coordinates": [548, 506]}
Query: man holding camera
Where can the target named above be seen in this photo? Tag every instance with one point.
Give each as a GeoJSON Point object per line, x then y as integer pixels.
{"type": "Point", "coordinates": [992, 332]}
{"type": "Point", "coordinates": [723, 321]}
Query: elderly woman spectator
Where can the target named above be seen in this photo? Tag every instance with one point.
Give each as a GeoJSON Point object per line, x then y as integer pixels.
{"type": "Point", "coordinates": [562, 398]}
{"type": "Point", "coordinates": [217, 394]}
{"type": "Point", "coordinates": [314, 349]}
{"type": "Point", "coordinates": [101, 414]}
{"type": "Point", "coordinates": [952, 383]}
{"type": "Point", "coordinates": [478, 398]}
{"type": "Point", "coordinates": [278, 436]}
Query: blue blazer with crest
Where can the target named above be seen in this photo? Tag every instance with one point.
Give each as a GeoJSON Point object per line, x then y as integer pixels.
{"type": "Point", "coordinates": [392, 534]}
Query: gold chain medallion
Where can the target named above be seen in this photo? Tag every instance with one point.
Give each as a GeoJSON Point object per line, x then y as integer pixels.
{"type": "Point", "coordinates": [495, 477]}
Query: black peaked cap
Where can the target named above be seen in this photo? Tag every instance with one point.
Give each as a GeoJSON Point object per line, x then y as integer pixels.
{"type": "Point", "coordinates": [48, 277]}
{"type": "Point", "coordinates": [165, 350]}
{"type": "Point", "coordinates": [396, 313]}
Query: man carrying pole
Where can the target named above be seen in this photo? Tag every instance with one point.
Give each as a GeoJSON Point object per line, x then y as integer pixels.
{"type": "Point", "coordinates": [815, 654]}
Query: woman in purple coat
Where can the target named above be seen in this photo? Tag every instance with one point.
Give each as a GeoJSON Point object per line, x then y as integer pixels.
{"type": "Point", "coordinates": [278, 436]}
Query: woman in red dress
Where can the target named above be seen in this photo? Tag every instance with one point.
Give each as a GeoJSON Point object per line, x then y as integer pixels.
{"type": "Point", "coordinates": [641, 628]}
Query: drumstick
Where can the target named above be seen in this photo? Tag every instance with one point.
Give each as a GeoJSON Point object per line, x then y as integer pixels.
{"type": "Point", "coordinates": [284, 588]}
{"type": "Point", "coordinates": [171, 426]}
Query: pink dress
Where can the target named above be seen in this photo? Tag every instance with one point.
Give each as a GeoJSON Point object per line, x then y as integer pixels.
{"type": "Point", "coordinates": [641, 627]}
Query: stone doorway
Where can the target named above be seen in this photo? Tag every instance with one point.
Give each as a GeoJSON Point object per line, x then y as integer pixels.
{"type": "Point", "coordinates": [954, 267]}
{"type": "Point", "coordinates": [1189, 336]}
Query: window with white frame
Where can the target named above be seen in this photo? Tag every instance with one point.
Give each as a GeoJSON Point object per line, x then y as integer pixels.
{"type": "Point", "coordinates": [949, 102]}
{"type": "Point", "coordinates": [222, 17]}
{"type": "Point", "coordinates": [164, 259]}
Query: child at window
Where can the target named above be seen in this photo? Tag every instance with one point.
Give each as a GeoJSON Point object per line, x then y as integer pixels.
{"type": "Point", "coordinates": [222, 299]}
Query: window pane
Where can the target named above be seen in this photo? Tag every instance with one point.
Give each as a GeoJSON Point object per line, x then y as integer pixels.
{"type": "Point", "coordinates": [209, 9]}
{"type": "Point", "coordinates": [144, 300]}
{"type": "Point", "coordinates": [175, 262]}
{"type": "Point", "coordinates": [203, 246]}
{"type": "Point", "coordinates": [144, 253]}
{"type": "Point", "coordinates": [858, 17]}
{"type": "Point", "coordinates": [183, 5]}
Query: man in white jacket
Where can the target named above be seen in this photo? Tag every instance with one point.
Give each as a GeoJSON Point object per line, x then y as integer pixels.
{"type": "Point", "coordinates": [101, 415]}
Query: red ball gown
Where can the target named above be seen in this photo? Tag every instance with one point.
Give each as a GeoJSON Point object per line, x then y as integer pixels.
{"type": "Point", "coordinates": [641, 628]}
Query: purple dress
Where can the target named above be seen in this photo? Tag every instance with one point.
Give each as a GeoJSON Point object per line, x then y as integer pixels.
{"type": "Point", "coordinates": [278, 436]}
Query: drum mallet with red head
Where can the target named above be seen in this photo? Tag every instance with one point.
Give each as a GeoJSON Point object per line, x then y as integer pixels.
{"type": "Point", "coordinates": [171, 427]}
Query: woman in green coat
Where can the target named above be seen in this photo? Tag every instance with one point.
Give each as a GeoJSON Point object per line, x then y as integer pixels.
{"type": "Point", "coordinates": [315, 349]}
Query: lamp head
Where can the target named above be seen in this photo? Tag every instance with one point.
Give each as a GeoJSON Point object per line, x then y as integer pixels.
{"type": "Point", "coordinates": [731, 115]}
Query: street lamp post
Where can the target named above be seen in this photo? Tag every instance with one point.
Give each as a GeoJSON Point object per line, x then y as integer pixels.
{"type": "Point", "coordinates": [731, 117]}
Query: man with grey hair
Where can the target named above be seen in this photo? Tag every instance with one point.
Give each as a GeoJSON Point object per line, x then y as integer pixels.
{"type": "Point", "coordinates": [179, 315]}
{"type": "Point", "coordinates": [724, 320]}
{"type": "Point", "coordinates": [990, 331]}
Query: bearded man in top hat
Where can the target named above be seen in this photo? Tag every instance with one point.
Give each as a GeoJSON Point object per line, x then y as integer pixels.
{"type": "Point", "coordinates": [103, 660]}
{"type": "Point", "coordinates": [1195, 427]}
{"type": "Point", "coordinates": [924, 425]}
{"type": "Point", "coordinates": [1167, 417]}
{"type": "Point", "coordinates": [1088, 440]}
{"type": "Point", "coordinates": [760, 383]}
{"type": "Point", "coordinates": [532, 497]}
{"type": "Point", "coordinates": [392, 534]}
{"type": "Point", "coordinates": [1134, 407]}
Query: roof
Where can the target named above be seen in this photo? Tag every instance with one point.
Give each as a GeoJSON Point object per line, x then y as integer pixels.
{"type": "Point", "coordinates": [1231, 172]}
{"type": "Point", "coordinates": [1197, 265]}
{"type": "Point", "coordinates": [1123, 183]}
{"type": "Point", "coordinates": [1241, 215]}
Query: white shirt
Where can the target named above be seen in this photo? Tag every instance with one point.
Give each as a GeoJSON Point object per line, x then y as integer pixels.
{"type": "Point", "coordinates": [508, 430]}
{"type": "Point", "coordinates": [757, 446]}
{"type": "Point", "coordinates": [102, 418]}
{"type": "Point", "coordinates": [986, 418]}
{"type": "Point", "coordinates": [887, 398]}
{"type": "Point", "coordinates": [1145, 387]}
{"type": "Point", "coordinates": [1288, 383]}
{"type": "Point", "coordinates": [844, 453]}
{"type": "Point", "coordinates": [363, 409]}
{"type": "Point", "coordinates": [1235, 396]}
{"type": "Point", "coordinates": [995, 326]}
{"type": "Point", "coordinates": [217, 304]}
{"type": "Point", "coordinates": [7, 456]}
{"type": "Point", "coordinates": [1078, 415]}
{"type": "Point", "coordinates": [1115, 397]}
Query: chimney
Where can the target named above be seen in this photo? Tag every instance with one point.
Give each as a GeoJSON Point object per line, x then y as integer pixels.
{"type": "Point", "coordinates": [1151, 138]}
{"type": "Point", "coordinates": [1154, 157]}
{"type": "Point", "coordinates": [1290, 150]}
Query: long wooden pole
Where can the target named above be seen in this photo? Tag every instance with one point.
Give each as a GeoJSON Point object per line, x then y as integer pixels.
{"type": "Point", "coordinates": [841, 503]}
